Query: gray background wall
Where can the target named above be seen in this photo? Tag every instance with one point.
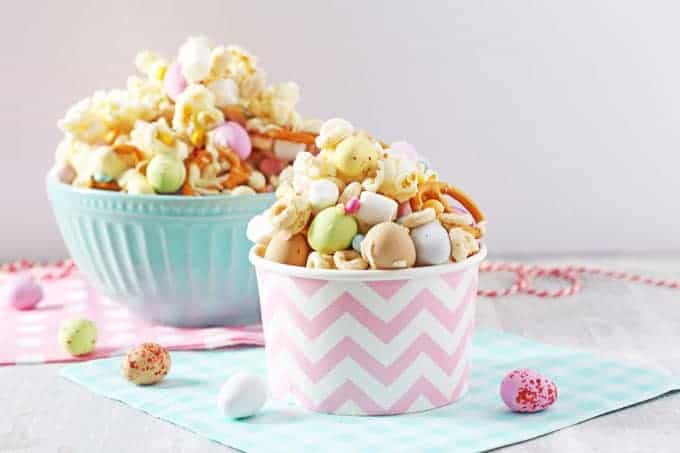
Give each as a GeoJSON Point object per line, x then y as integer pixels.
{"type": "Point", "coordinates": [559, 117]}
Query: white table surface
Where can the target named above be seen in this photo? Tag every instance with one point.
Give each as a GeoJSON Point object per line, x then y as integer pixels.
{"type": "Point", "coordinates": [42, 412]}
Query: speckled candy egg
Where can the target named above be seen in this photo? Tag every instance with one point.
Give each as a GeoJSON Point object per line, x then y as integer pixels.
{"type": "Point", "coordinates": [288, 250]}
{"type": "Point", "coordinates": [78, 336]}
{"type": "Point", "coordinates": [146, 364]}
{"type": "Point", "coordinates": [527, 391]}
{"type": "Point", "coordinates": [432, 242]}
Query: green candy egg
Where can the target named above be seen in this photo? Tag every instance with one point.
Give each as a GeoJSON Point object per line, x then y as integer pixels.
{"type": "Point", "coordinates": [165, 174]}
{"type": "Point", "coordinates": [78, 336]}
{"type": "Point", "coordinates": [331, 230]}
{"type": "Point", "coordinates": [355, 156]}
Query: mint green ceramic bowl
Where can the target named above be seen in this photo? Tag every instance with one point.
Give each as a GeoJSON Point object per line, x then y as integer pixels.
{"type": "Point", "coordinates": [176, 260]}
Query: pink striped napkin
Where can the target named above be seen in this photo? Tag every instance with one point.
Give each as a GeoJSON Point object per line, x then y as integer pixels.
{"type": "Point", "coordinates": [31, 336]}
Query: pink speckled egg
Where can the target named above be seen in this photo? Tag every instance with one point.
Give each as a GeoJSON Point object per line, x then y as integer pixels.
{"type": "Point", "coordinates": [22, 292]}
{"type": "Point", "coordinates": [174, 82]}
{"type": "Point", "coordinates": [233, 136]}
{"type": "Point", "coordinates": [527, 391]}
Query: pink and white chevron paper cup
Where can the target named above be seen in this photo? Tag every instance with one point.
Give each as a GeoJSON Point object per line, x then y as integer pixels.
{"type": "Point", "coordinates": [368, 342]}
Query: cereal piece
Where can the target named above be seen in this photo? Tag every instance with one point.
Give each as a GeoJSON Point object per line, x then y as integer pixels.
{"type": "Point", "coordinates": [434, 204]}
{"type": "Point", "coordinates": [375, 208]}
{"type": "Point", "coordinates": [352, 190]}
{"type": "Point", "coordinates": [455, 218]}
{"type": "Point", "coordinates": [78, 336]}
{"type": "Point", "coordinates": [285, 249]}
{"type": "Point", "coordinates": [463, 244]}
{"type": "Point", "coordinates": [432, 242]}
{"type": "Point", "coordinates": [21, 292]}
{"type": "Point", "coordinates": [146, 364]}
{"type": "Point", "coordinates": [317, 260]}
{"type": "Point", "coordinates": [388, 246]}
{"type": "Point", "coordinates": [290, 214]}
{"type": "Point", "coordinates": [331, 230]}
{"type": "Point", "coordinates": [349, 260]}
{"type": "Point", "coordinates": [418, 218]}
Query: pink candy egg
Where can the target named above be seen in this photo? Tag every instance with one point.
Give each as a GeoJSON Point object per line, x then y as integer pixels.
{"type": "Point", "coordinates": [525, 390]}
{"type": "Point", "coordinates": [22, 292]}
{"type": "Point", "coordinates": [352, 206]}
{"type": "Point", "coordinates": [404, 209]}
{"type": "Point", "coordinates": [233, 136]}
{"type": "Point", "coordinates": [270, 167]}
{"type": "Point", "coordinates": [174, 82]}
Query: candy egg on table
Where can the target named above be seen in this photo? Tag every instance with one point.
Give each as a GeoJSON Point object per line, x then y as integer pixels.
{"type": "Point", "coordinates": [146, 364]}
{"type": "Point", "coordinates": [21, 292]}
{"type": "Point", "coordinates": [432, 243]}
{"type": "Point", "coordinates": [242, 395]}
{"type": "Point", "coordinates": [331, 230]}
{"type": "Point", "coordinates": [355, 156]}
{"type": "Point", "coordinates": [165, 174]}
{"type": "Point", "coordinates": [525, 390]}
{"type": "Point", "coordinates": [233, 136]}
{"type": "Point", "coordinates": [375, 208]}
{"type": "Point", "coordinates": [285, 249]}
{"type": "Point", "coordinates": [323, 193]}
{"type": "Point", "coordinates": [388, 246]}
{"type": "Point", "coordinates": [78, 336]}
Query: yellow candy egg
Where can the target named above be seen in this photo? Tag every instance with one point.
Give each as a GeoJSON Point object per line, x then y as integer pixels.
{"type": "Point", "coordinates": [355, 157]}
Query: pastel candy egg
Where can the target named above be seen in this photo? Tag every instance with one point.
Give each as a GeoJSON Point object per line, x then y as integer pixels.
{"type": "Point", "coordinates": [375, 208]}
{"type": "Point", "coordinates": [165, 174]}
{"type": "Point", "coordinates": [323, 193]}
{"type": "Point", "coordinates": [270, 167]}
{"type": "Point", "coordinates": [287, 250]}
{"type": "Point", "coordinates": [78, 336]}
{"type": "Point", "coordinates": [525, 390]}
{"type": "Point", "coordinates": [287, 151]}
{"type": "Point", "coordinates": [242, 395]}
{"type": "Point", "coordinates": [146, 364]}
{"type": "Point", "coordinates": [331, 230]}
{"type": "Point", "coordinates": [174, 82]}
{"type": "Point", "coordinates": [356, 242]}
{"type": "Point", "coordinates": [233, 136]}
{"type": "Point", "coordinates": [388, 246]}
{"type": "Point", "coordinates": [355, 156]}
{"type": "Point", "coordinates": [432, 243]}
{"type": "Point", "coordinates": [21, 292]}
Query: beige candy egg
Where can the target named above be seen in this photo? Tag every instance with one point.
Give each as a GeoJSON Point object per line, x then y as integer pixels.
{"type": "Point", "coordinates": [288, 250]}
{"type": "Point", "coordinates": [388, 246]}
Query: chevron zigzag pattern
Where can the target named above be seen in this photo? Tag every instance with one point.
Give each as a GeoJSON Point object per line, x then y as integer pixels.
{"type": "Point", "coordinates": [368, 348]}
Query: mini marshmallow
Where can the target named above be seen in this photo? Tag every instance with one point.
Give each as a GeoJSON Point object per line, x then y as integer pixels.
{"type": "Point", "coordinates": [375, 208]}
{"type": "Point", "coordinates": [432, 242]}
{"type": "Point", "coordinates": [225, 91]}
{"type": "Point", "coordinates": [286, 151]}
{"type": "Point", "coordinates": [322, 194]}
{"type": "Point", "coordinates": [260, 229]}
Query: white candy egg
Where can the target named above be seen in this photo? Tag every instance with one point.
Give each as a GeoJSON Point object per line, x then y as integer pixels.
{"type": "Point", "coordinates": [432, 242]}
{"type": "Point", "coordinates": [375, 208]}
{"type": "Point", "coordinates": [323, 193]}
{"type": "Point", "coordinates": [242, 395]}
